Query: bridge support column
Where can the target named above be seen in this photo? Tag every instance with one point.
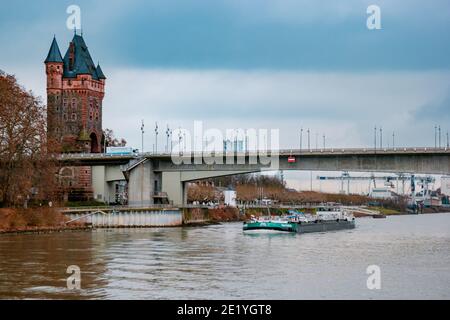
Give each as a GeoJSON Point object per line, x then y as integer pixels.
{"type": "Point", "coordinates": [141, 186]}
{"type": "Point", "coordinates": [175, 188]}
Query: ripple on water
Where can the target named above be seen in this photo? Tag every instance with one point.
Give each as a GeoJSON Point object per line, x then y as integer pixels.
{"type": "Point", "coordinates": [221, 262]}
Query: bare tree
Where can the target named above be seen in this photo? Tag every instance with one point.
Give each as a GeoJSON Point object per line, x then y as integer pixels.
{"type": "Point", "coordinates": [111, 140]}
{"type": "Point", "coordinates": [27, 166]}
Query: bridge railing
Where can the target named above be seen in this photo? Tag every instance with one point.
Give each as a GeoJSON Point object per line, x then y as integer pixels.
{"type": "Point", "coordinates": [115, 208]}
{"type": "Point", "coordinates": [282, 152]}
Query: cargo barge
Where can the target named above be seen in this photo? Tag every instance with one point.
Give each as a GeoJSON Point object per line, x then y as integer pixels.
{"type": "Point", "coordinates": [325, 219]}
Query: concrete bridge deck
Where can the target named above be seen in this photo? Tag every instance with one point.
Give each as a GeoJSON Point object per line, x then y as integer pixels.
{"type": "Point", "coordinates": [148, 173]}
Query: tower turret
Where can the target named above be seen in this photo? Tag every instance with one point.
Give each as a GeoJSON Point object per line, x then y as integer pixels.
{"type": "Point", "coordinates": [54, 68]}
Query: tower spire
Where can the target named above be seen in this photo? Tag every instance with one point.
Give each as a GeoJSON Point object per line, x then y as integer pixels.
{"type": "Point", "coordinates": [54, 55]}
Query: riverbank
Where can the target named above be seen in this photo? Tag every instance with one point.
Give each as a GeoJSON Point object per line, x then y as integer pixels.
{"type": "Point", "coordinates": [208, 216]}
{"type": "Point", "coordinates": [35, 220]}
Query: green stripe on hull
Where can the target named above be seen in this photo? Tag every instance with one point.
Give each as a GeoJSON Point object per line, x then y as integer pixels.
{"type": "Point", "coordinates": [270, 225]}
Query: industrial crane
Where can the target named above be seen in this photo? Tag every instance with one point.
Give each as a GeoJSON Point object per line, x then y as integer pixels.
{"type": "Point", "coordinates": [400, 177]}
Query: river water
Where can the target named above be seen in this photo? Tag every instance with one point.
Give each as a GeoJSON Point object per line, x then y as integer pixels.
{"type": "Point", "coordinates": [221, 262]}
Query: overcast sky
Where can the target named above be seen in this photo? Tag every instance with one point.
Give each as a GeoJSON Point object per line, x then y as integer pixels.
{"type": "Point", "coordinates": [252, 64]}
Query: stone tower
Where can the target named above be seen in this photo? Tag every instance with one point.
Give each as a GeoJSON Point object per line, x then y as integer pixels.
{"type": "Point", "coordinates": [75, 91]}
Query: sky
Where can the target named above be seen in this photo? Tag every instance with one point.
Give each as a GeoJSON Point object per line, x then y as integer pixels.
{"type": "Point", "coordinates": [252, 64]}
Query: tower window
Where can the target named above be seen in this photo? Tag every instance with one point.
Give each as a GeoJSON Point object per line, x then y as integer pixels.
{"type": "Point", "coordinates": [74, 116]}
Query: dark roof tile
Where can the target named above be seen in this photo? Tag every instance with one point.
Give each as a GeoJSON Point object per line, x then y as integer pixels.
{"type": "Point", "coordinates": [54, 55]}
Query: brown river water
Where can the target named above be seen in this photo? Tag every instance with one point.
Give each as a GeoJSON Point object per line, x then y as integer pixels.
{"type": "Point", "coordinates": [221, 262]}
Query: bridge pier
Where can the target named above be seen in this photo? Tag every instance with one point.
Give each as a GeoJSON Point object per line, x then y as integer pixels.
{"type": "Point", "coordinates": [175, 188]}
{"type": "Point", "coordinates": [140, 186]}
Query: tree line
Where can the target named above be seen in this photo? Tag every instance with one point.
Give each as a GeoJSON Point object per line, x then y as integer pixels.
{"type": "Point", "coordinates": [29, 171]}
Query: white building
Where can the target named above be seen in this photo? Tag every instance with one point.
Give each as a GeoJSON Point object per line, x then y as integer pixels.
{"type": "Point", "coordinates": [230, 198]}
{"type": "Point", "coordinates": [382, 193]}
{"type": "Point", "coordinates": [445, 185]}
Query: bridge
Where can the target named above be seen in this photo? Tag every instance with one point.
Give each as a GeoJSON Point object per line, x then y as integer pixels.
{"type": "Point", "coordinates": [151, 175]}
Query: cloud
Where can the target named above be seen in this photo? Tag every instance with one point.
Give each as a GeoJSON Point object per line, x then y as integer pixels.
{"type": "Point", "coordinates": [292, 34]}
{"type": "Point", "coordinates": [343, 106]}
{"type": "Point", "coordinates": [437, 110]}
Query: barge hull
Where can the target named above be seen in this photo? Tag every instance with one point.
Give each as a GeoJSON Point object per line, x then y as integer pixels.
{"type": "Point", "coordinates": [324, 226]}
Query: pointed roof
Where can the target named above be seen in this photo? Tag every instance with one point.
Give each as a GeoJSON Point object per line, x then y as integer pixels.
{"type": "Point", "coordinates": [100, 72]}
{"type": "Point", "coordinates": [54, 55]}
{"type": "Point", "coordinates": [82, 63]}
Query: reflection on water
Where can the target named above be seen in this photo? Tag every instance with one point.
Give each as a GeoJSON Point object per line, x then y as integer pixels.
{"type": "Point", "coordinates": [221, 262]}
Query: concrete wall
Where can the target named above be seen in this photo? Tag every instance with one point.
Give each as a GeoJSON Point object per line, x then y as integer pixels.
{"type": "Point", "coordinates": [174, 187]}
{"type": "Point", "coordinates": [131, 218]}
{"type": "Point", "coordinates": [104, 179]}
{"type": "Point", "coordinates": [99, 185]}
{"type": "Point", "coordinates": [141, 185]}
{"type": "Point", "coordinates": [114, 173]}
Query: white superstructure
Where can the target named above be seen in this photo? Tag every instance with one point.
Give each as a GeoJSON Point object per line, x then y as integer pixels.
{"type": "Point", "coordinates": [445, 185]}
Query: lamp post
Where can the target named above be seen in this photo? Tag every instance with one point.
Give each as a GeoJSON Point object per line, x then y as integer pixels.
{"type": "Point", "coordinates": [393, 140]}
{"type": "Point", "coordinates": [381, 138]}
{"type": "Point", "coordinates": [167, 138]}
{"type": "Point", "coordinates": [447, 140]}
{"type": "Point", "coordinates": [301, 138]}
{"type": "Point", "coordinates": [156, 137]}
{"type": "Point", "coordinates": [179, 140]}
{"type": "Point", "coordinates": [435, 137]}
{"type": "Point", "coordinates": [375, 137]}
{"type": "Point", "coordinates": [142, 135]}
{"type": "Point", "coordinates": [439, 137]}
{"type": "Point", "coordinates": [309, 140]}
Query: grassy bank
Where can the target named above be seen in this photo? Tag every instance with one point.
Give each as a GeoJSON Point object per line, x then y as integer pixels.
{"type": "Point", "coordinates": [386, 211]}
{"type": "Point", "coordinates": [41, 219]}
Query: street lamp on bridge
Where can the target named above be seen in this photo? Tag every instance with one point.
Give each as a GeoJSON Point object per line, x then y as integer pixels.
{"type": "Point", "coordinates": [142, 135]}
{"type": "Point", "coordinates": [309, 140]}
{"type": "Point", "coordinates": [156, 137]}
{"type": "Point", "coordinates": [301, 137]}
